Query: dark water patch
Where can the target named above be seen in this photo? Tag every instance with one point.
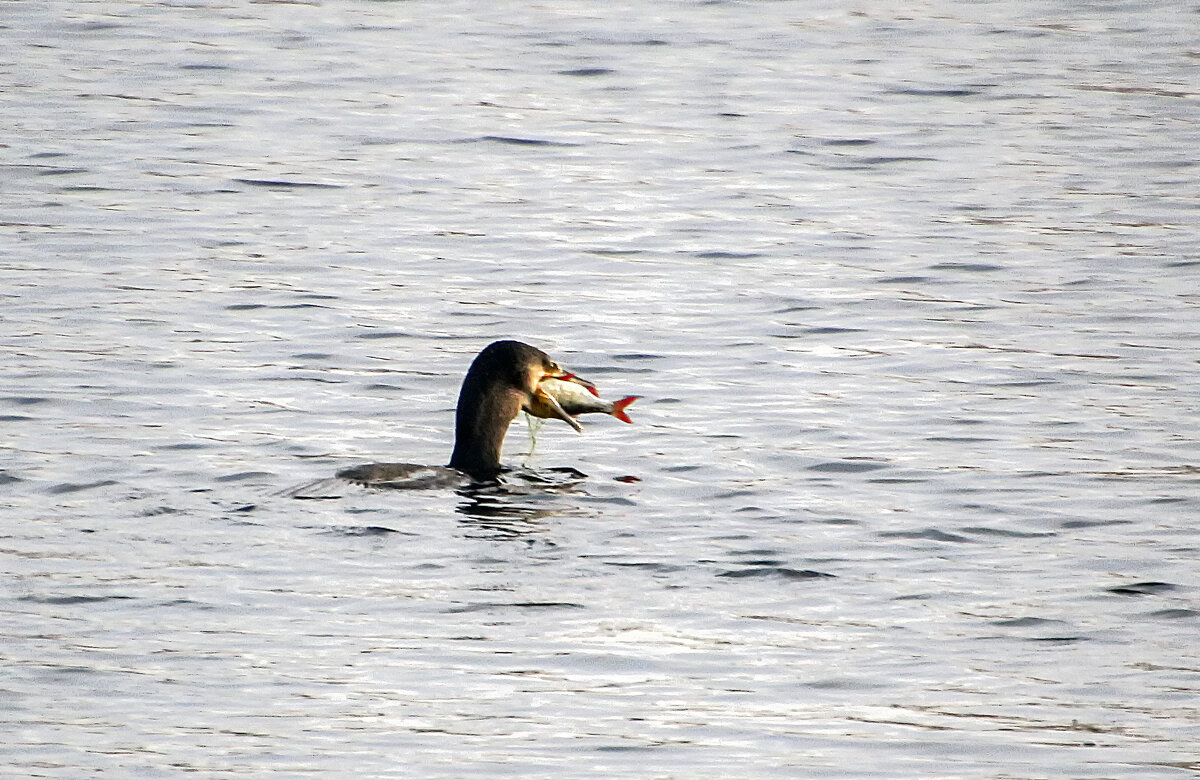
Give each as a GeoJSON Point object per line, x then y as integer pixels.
{"type": "Point", "coordinates": [586, 72]}
{"type": "Point", "coordinates": [776, 572]}
{"type": "Point", "coordinates": [15, 418]}
{"type": "Point", "coordinates": [1005, 532]}
{"type": "Point", "coordinates": [891, 160]}
{"type": "Point", "coordinates": [312, 356]}
{"type": "Point", "coordinates": [76, 487]}
{"type": "Point", "coordinates": [123, 96]}
{"type": "Point", "coordinates": [555, 475]}
{"type": "Point", "coordinates": [1173, 614]}
{"type": "Point", "coordinates": [206, 125]}
{"type": "Point", "coordinates": [182, 446]}
{"type": "Point", "coordinates": [517, 141]}
{"type": "Point", "coordinates": [848, 141]}
{"type": "Point", "coordinates": [280, 306]}
{"type": "Point", "coordinates": [1026, 622]}
{"type": "Point", "coordinates": [185, 603]}
{"type": "Point", "coordinates": [358, 531]}
{"type": "Point", "coordinates": [960, 439]}
{"type": "Point", "coordinates": [289, 184]}
{"type": "Point", "coordinates": [904, 280]}
{"type": "Point", "coordinates": [762, 562]}
{"type": "Point", "coordinates": [25, 400]}
{"type": "Point", "coordinates": [756, 553]}
{"type": "Point", "coordinates": [1092, 523]}
{"type": "Point", "coordinates": [637, 356]}
{"type": "Point", "coordinates": [615, 252]}
{"type": "Point", "coordinates": [623, 370]}
{"type": "Point", "coordinates": [831, 331]}
{"type": "Point", "coordinates": [1139, 90]}
{"type": "Point", "coordinates": [60, 171]}
{"type": "Point", "coordinates": [203, 66]}
{"type": "Point", "coordinates": [487, 606]}
{"type": "Point", "coordinates": [1142, 589]}
{"type": "Point", "coordinates": [725, 255]}
{"type": "Point", "coordinates": [10, 223]}
{"type": "Point", "coordinates": [610, 500]}
{"type": "Point", "coordinates": [953, 92]}
{"type": "Point", "coordinates": [8, 479]}
{"type": "Point", "coordinates": [1021, 351]}
{"type": "Point", "coordinates": [72, 600]}
{"type": "Point", "coordinates": [844, 684]}
{"type": "Point", "coordinates": [1150, 472]}
{"type": "Point", "coordinates": [383, 334]}
{"type": "Point", "coordinates": [1062, 640]}
{"type": "Point", "coordinates": [664, 568]}
{"type": "Point", "coordinates": [743, 493]}
{"type": "Point", "coordinates": [931, 534]}
{"type": "Point", "coordinates": [158, 511]}
{"type": "Point", "coordinates": [847, 466]}
{"type": "Point", "coordinates": [839, 521]}
{"type": "Point", "coordinates": [242, 476]}
{"type": "Point", "coordinates": [973, 267]}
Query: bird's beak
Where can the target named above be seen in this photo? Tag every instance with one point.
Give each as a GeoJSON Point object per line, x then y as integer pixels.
{"type": "Point", "coordinates": [569, 377]}
{"type": "Point", "coordinates": [559, 412]}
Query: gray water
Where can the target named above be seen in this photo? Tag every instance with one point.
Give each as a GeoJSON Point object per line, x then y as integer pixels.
{"type": "Point", "coordinates": [910, 293]}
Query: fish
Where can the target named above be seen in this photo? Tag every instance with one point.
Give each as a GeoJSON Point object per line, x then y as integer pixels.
{"type": "Point", "coordinates": [569, 396]}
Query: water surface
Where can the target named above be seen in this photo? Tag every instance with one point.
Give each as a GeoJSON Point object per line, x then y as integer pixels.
{"type": "Point", "coordinates": [910, 294]}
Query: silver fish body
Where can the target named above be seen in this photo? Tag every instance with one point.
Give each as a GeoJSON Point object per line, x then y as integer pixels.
{"type": "Point", "coordinates": [575, 397]}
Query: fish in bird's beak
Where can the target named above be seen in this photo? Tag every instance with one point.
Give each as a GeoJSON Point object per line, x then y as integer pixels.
{"type": "Point", "coordinates": [548, 406]}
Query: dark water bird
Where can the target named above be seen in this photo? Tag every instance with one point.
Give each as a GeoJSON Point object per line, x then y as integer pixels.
{"type": "Point", "coordinates": [502, 380]}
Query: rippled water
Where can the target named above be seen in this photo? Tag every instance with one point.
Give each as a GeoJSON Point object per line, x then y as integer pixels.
{"type": "Point", "coordinates": [910, 293]}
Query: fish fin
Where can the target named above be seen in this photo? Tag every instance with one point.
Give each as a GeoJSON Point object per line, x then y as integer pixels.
{"type": "Point", "coordinates": [559, 412]}
{"type": "Point", "coordinates": [619, 408]}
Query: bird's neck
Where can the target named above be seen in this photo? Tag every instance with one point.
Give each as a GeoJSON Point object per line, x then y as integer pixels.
{"type": "Point", "coordinates": [481, 422]}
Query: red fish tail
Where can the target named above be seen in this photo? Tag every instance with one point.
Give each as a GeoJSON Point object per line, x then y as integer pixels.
{"type": "Point", "coordinates": [619, 408]}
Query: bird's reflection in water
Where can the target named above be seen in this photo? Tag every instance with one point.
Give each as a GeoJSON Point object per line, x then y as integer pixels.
{"type": "Point", "coordinates": [517, 502]}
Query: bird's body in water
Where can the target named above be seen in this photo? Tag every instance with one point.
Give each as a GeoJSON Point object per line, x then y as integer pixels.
{"type": "Point", "coordinates": [502, 380]}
